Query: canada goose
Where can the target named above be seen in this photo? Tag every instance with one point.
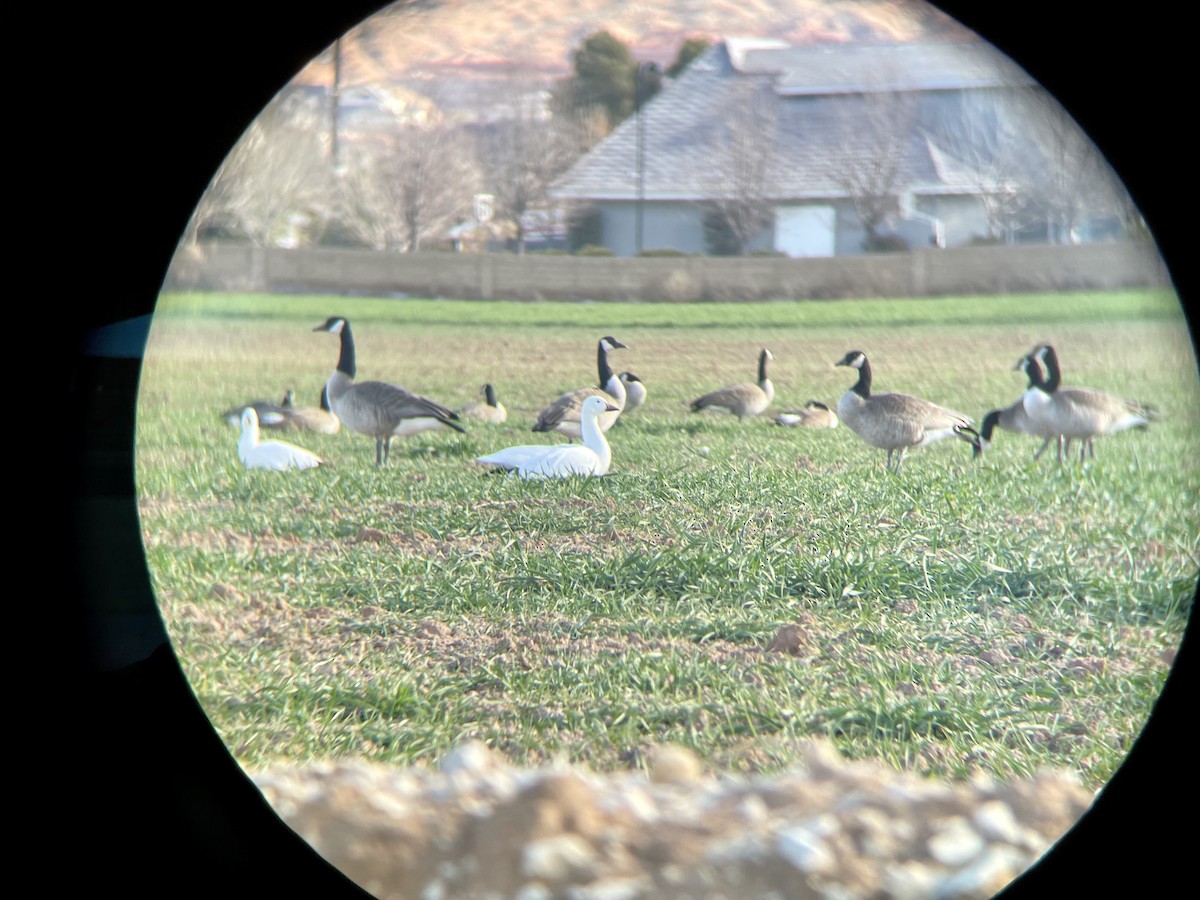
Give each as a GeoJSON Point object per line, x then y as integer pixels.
{"type": "Point", "coordinates": [277, 455]}
{"type": "Point", "coordinates": [561, 460]}
{"type": "Point", "coordinates": [309, 418]}
{"type": "Point", "coordinates": [1014, 418]}
{"type": "Point", "coordinates": [1079, 412]}
{"type": "Point", "coordinates": [635, 391]}
{"type": "Point", "coordinates": [488, 410]}
{"type": "Point", "coordinates": [742, 399]}
{"type": "Point", "coordinates": [563, 415]}
{"type": "Point", "coordinates": [895, 422]}
{"type": "Point", "coordinates": [375, 408]}
{"type": "Point", "coordinates": [270, 415]}
{"type": "Point", "coordinates": [815, 414]}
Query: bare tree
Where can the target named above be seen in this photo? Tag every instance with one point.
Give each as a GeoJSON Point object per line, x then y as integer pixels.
{"type": "Point", "coordinates": [983, 140]}
{"type": "Point", "coordinates": [1030, 164]}
{"type": "Point", "coordinates": [873, 132]}
{"type": "Point", "coordinates": [278, 171]}
{"type": "Point", "coordinates": [523, 156]}
{"type": "Point", "coordinates": [419, 184]}
{"type": "Point", "coordinates": [1069, 178]}
{"type": "Point", "coordinates": [743, 172]}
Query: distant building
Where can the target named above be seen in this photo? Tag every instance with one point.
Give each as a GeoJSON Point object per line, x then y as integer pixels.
{"type": "Point", "coordinates": [839, 150]}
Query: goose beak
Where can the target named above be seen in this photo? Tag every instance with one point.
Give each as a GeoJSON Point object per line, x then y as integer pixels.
{"type": "Point", "coordinates": [1020, 364]}
{"type": "Point", "coordinates": [610, 408]}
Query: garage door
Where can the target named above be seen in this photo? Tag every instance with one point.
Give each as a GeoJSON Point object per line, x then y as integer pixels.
{"type": "Point", "coordinates": [805, 230]}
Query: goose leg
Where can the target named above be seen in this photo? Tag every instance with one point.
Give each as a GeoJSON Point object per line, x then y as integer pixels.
{"type": "Point", "coordinates": [379, 451]}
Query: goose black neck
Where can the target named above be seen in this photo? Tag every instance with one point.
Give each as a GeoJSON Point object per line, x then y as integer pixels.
{"type": "Point", "coordinates": [606, 372]}
{"type": "Point", "coordinates": [862, 387]}
{"type": "Point", "coordinates": [1033, 371]}
{"type": "Point", "coordinates": [989, 424]}
{"type": "Point", "coordinates": [1053, 375]}
{"type": "Point", "coordinates": [346, 363]}
{"type": "Point", "coordinates": [762, 367]}
{"type": "Point", "coordinates": [489, 394]}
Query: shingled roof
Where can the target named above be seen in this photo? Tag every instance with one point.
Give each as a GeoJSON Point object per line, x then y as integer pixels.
{"type": "Point", "coordinates": [813, 92]}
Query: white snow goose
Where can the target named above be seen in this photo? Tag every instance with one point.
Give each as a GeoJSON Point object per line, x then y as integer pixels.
{"type": "Point", "coordinates": [592, 457]}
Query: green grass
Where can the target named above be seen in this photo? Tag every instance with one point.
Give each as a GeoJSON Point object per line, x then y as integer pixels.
{"type": "Point", "coordinates": [999, 615]}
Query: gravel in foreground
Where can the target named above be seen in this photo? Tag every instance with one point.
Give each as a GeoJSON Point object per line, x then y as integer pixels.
{"type": "Point", "coordinates": [479, 828]}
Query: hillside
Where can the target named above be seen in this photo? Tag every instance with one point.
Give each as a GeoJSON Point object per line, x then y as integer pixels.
{"type": "Point", "coordinates": [428, 39]}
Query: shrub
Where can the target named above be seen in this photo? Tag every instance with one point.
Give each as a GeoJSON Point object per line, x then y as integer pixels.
{"type": "Point", "coordinates": [586, 228]}
{"type": "Point", "coordinates": [594, 250]}
{"type": "Point", "coordinates": [338, 233]}
{"type": "Point", "coordinates": [885, 243]}
{"type": "Point", "coordinates": [670, 252]}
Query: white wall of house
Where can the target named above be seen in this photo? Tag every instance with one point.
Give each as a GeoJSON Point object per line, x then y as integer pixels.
{"type": "Point", "coordinates": [665, 226]}
{"type": "Point", "coordinates": [962, 217]}
{"type": "Point", "coordinates": [806, 230]}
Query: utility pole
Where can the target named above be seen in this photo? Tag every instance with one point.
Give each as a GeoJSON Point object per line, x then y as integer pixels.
{"type": "Point", "coordinates": [643, 70]}
{"type": "Point", "coordinates": [334, 103]}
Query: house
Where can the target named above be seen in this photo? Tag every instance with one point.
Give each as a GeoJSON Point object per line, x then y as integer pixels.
{"type": "Point", "coordinates": [843, 149]}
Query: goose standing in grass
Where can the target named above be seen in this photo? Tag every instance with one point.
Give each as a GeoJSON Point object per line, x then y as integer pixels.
{"type": "Point", "coordinates": [635, 391]}
{"type": "Point", "coordinates": [488, 410]}
{"type": "Point", "coordinates": [742, 399]}
{"type": "Point", "coordinates": [1014, 418]}
{"type": "Point", "coordinates": [308, 418]}
{"type": "Point", "coordinates": [1082, 413]}
{"type": "Point", "coordinates": [278, 455]}
{"type": "Point", "coordinates": [563, 415]}
{"type": "Point", "coordinates": [815, 414]}
{"type": "Point", "coordinates": [593, 457]}
{"type": "Point", "coordinates": [375, 408]}
{"type": "Point", "coordinates": [896, 422]}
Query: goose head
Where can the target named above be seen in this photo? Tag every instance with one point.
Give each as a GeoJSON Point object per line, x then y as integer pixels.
{"type": "Point", "coordinates": [250, 423]}
{"type": "Point", "coordinates": [854, 359]}
{"type": "Point", "coordinates": [334, 325]}
{"type": "Point", "coordinates": [990, 421]}
{"type": "Point", "coordinates": [594, 406]}
{"type": "Point", "coordinates": [608, 342]}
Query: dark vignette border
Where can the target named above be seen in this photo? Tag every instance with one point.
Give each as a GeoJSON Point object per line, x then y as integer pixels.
{"type": "Point", "coordinates": [139, 789]}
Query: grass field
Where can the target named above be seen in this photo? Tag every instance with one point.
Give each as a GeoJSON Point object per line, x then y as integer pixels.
{"type": "Point", "coordinates": [999, 615]}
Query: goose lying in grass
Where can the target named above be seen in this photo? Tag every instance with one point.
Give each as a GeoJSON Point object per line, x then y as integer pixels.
{"type": "Point", "coordinates": [488, 410]}
{"type": "Point", "coordinates": [277, 455]}
{"type": "Point", "coordinates": [896, 422]}
{"type": "Point", "coordinates": [741, 399]}
{"type": "Point", "coordinates": [270, 415]}
{"type": "Point", "coordinates": [375, 408]}
{"type": "Point", "coordinates": [309, 418]}
{"type": "Point", "coordinates": [1074, 412]}
{"type": "Point", "coordinates": [593, 457]}
{"type": "Point", "coordinates": [563, 415]}
{"type": "Point", "coordinates": [815, 414]}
